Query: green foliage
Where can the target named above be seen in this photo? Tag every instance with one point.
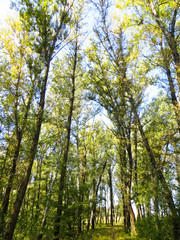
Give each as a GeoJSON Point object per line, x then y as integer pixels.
{"type": "Point", "coordinates": [123, 59]}
{"type": "Point", "coordinates": [107, 232]}
{"type": "Point", "coordinates": [150, 227]}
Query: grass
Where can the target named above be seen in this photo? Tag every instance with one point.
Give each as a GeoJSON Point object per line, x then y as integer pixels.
{"type": "Point", "coordinates": [106, 232]}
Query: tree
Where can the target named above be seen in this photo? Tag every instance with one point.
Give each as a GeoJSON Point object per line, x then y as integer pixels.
{"type": "Point", "coordinates": [158, 25]}
{"type": "Point", "coordinates": [22, 74]}
{"type": "Point", "coordinates": [121, 64]}
{"type": "Point", "coordinates": [74, 62]}
{"type": "Point", "coordinates": [82, 141]}
{"type": "Point", "coordinates": [108, 78]}
{"type": "Point", "coordinates": [37, 17]}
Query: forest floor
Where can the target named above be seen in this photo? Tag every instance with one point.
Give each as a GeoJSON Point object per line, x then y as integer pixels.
{"type": "Point", "coordinates": [107, 232]}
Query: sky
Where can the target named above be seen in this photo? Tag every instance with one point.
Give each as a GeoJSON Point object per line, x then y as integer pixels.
{"type": "Point", "coordinates": [4, 9]}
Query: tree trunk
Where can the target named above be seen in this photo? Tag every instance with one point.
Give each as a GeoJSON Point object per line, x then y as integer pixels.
{"type": "Point", "coordinates": [105, 209]}
{"type": "Point", "coordinates": [111, 195]}
{"type": "Point", "coordinates": [125, 179]}
{"type": "Point", "coordinates": [129, 179]}
{"type": "Point", "coordinates": [133, 220]}
{"type": "Point", "coordinates": [80, 209]}
{"type": "Point", "coordinates": [43, 222]}
{"type": "Point", "coordinates": [136, 172]}
{"type": "Point", "coordinates": [66, 151]}
{"type": "Point", "coordinates": [19, 135]}
{"type": "Point", "coordinates": [167, 192]}
{"type": "Point", "coordinates": [9, 187]}
{"type": "Point", "coordinates": [63, 172]}
{"type": "Point", "coordinates": [94, 201]}
{"type": "Point", "coordinates": [93, 216]}
{"type": "Point", "coordinates": [95, 192]}
{"type": "Point", "coordinates": [22, 190]}
{"type": "Point", "coordinates": [173, 45]}
{"type": "Point", "coordinates": [173, 97]}
{"type": "Point", "coordinates": [156, 208]}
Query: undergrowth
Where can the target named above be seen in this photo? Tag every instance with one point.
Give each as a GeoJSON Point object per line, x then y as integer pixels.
{"type": "Point", "coordinates": [106, 232]}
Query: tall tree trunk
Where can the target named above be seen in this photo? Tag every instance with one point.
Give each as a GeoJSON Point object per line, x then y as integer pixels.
{"type": "Point", "coordinates": [129, 176]}
{"type": "Point", "coordinates": [156, 208]}
{"type": "Point", "coordinates": [80, 197]}
{"type": "Point", "coordinates": [63, 172]}
{"type": "Point", "coordinates": [66, 151]}
{"type": "Point", "coordinates": [105, 209]}
{"type": "Point", "coordinates": [93, 216]}
{"type": "Point", "coordinates": [79, 182]}
{"type": "Point", "coordinates": [125, 188]}
{"type": "Point", "coordinates": [111, 195]}
{"type": "Point", "coordinates": [177, 165]}
{"type": "Point", "coordinates": [38, 195]}
{"type": "Point", "coordinates": [22, 190]}
{"type": "Point", "coordinates": [9, 187]}
{"type": "Point", "coordinates": [43, 222]}
{"type": "Point", "coordinates": [167, 192]}
{"type": "Point", "coordinates": [148, 207]}
{"type": "Point", "coordinates": [94, 202]}
{"type": "Point", "coordinates": [80, 209]}
{"type": "Point", "coordinates": [136, 172]}
{"type": "Point", "coordinates": [95, 192]}
{"type": "Point", "coordinates": [174, 99]}
{"type": "Point", "coordinates": [133, 221]}
{"type": "Point", "coordinates": [46, 54]}
{"type": "Point", "coordinates": [19, 136]}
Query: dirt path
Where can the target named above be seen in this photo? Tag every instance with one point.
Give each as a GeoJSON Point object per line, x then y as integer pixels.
{"type": "Point", "coordinates": [105, 232]}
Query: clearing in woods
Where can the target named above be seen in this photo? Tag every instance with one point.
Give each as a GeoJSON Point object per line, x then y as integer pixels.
{"type": "Point", "coordinates": [107, 232]}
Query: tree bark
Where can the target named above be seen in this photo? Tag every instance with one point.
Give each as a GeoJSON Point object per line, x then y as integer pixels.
{"type": "Point", "coordinates": [125, 179]}
{"type": "Point", "coordinates": [136, 172]}
{"type": "Point", "coordinates": [129, 176]}
{"type": "Point", "coordinates": [133, 220]}
{"type": "Point", "coordinates": [111, 195]}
